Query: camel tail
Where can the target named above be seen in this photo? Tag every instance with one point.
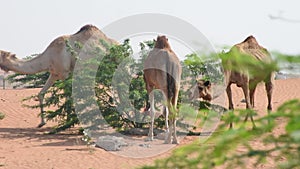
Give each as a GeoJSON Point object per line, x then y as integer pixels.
{"type": "Point", "coordinates": [171, 86]}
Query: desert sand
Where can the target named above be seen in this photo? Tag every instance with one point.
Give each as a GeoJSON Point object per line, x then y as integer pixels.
{"type": "Point", "coordinates": [22, 145]}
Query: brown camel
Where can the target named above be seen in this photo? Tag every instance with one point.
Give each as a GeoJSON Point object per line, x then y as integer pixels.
{"type": "Point", "coordinates": [162, 70]}
{"type": "Point", "coordinates": [246, 64]}
{"type": "Point", "coordinates": [56, 59]}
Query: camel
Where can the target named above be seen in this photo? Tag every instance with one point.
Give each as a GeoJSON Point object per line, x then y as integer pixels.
{"type": "Point", "coordinates": [162, 70]}
{"type": "Point", "coordinates": [202, 89]}
{"type": "Point", "coordinates": [246, 65]}
{"type": "Point", "coordinates": [56, 59]}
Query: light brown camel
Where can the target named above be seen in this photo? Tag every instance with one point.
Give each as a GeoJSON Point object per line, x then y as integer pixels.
{"type": "Point", "coordinates": [202, 89]}
{"type": "Point", "coordinates": [56, 59]}
{"type": "Point", "coordinates": [246, 64]}
{"type": "Point", "coordinates": [162, 70]}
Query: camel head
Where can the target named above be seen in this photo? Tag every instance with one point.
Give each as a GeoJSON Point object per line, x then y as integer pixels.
{"type": "Point", "coordinates": [5, 59]}
{"type": "Point", "coordinates": [161, 42]}
{"type": "Point", "coordinates": [202, 89]}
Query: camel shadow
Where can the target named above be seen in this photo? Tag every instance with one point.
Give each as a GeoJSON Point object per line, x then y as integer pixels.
{"type": "Point", "coordinates": [39, 137]}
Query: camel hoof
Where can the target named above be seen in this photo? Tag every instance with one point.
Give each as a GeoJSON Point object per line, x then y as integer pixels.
{"type": "Point", "coordinates": [41, 124]}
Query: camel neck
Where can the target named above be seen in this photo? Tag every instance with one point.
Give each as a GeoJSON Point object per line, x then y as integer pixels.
{"type": "Point", "coordinates": [28, 66]}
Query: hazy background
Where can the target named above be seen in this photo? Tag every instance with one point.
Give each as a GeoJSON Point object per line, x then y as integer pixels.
{"type": "Point", "coordinates": [28, 26]}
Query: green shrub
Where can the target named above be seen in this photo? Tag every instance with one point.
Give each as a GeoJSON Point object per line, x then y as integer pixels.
{"type": "Point", "coordinates": [60, 97]}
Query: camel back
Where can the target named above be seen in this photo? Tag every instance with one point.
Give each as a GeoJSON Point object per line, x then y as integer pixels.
{"type": "Point", "coordinates": [251, 47]}
{"type": "Point", "coordinates": [249, 58]}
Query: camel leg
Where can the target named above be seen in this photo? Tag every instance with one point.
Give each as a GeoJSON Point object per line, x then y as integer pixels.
{"type": "Point", "coordinates": [171, 130]}
{"type": "Point", "coordinates": [252, 92]}
{"type": "Point", "coordinates": [167, 133]}
{"type": "Point", "coordinates": [229, 95]}
{"type": "Point", "coordinates": [174, 115]}
{"type": "Point", "coordinates": [152, 114]}
{"type": "Point", "coordinates": [245, 88]}
{"type": "Point", "coordinates": [175, 140]}
{"type": "Point", "coordinates": [252, 121]}
{"type": "Point", "coordinates": [41, 95]}
{"type": "Point", "coordinates": [269, 89]}
{"type": "Point", "coordinates": [167, 112]}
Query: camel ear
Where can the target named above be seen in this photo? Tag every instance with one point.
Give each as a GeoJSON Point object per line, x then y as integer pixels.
{"type": "Point", "coordinates": [13, 56]}
{"type": "Point", "coordinates": [207, 83]}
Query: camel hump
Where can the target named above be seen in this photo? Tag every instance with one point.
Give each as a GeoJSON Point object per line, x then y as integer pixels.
{"type": "Point", "coordinates": [250, 38]}
{"type": "Point", "coordinates": [87, 27]}
{"type": "Point", "coordinates": [251, 46]}
{"type": "Point", "coordinates": [250, 42]}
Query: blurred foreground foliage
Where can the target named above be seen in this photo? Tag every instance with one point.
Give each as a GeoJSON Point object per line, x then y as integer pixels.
{"type": "Point", "coordinates": [244, 146]}
{"type": "Point", "coordinates": [2, 115]}
{"type": "Point", "coordinates": [237, 148]}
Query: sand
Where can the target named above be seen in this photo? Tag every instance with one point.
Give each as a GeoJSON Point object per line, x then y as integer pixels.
{"type": "Point", "coordinates": [22, 145]}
